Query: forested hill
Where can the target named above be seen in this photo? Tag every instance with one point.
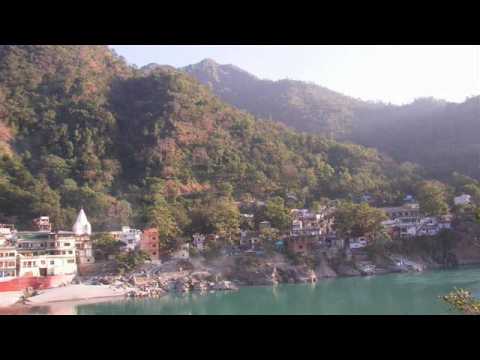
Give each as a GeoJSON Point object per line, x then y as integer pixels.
{"type": "Point", "coordinates": [440, 136]}
{"type": "Point", "coordinates": [300, 105]}
{"type": "Point", "coordinates": [79, 127]}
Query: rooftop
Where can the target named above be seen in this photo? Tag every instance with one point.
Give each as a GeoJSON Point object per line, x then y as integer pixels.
{"type": "Point", "coordinates": [34, 235]}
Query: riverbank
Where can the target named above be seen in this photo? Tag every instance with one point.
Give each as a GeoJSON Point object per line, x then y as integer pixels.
{"type": "Point", "coordinates": [75, 292]}
{"type": "Point", "coordinates": [199, 275]}
{"type": "Point", "coordinates": [412, 293]}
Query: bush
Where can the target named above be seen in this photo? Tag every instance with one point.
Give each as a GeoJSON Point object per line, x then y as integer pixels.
{"type": "Point", "coordinates": [129, 261]}
{"type": "Point", "coordinates": [462, 300]}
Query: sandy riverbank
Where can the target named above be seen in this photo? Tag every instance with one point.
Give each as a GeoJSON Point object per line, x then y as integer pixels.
{"type": "Point", "coordinates": [75, 292]}
{"type": "Point", "coordinates": [9, 298]}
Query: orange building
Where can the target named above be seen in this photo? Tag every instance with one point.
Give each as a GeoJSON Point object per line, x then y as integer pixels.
{"type": "Point", "coordinates": [149, 243]}
{"type": "Point", "coordinates": [299, 245]}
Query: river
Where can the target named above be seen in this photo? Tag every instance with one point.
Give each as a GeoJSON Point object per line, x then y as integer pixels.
{"type": "Point", "coordinates": [397, 294]}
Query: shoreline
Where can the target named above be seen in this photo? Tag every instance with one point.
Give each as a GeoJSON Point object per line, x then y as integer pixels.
{"type": "Point", "coordinates": [77, 294]}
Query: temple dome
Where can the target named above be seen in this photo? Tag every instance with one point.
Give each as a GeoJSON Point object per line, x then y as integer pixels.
{"type": "Point", "coordinates": [82, 226]}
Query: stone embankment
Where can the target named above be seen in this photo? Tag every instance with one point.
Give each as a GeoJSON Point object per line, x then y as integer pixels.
{"type": "Point", "coordinates": [172, 277]}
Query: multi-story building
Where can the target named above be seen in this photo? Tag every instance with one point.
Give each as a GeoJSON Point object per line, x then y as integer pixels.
{"type": "Point", "coordinates": [44, 253]}
{"type": "Point", "coordinates": [43, 259]}
{"type": "Point", "coordinates": [407, 222]}
{"type": "Point", "coordinates": [130, 237]}
{"type": "Point", "coordinates": [307, 223]}
{"type": "Point", "coordinates": [8, 260]}
{"type": "Point", "coordinates": [463, 199]}
{"type": "Point", "coordinates": [407, 211]}
{"type": "Point", "coordinates": [149, 243]}
{"type": "Point", "coordinates": [7, 232]}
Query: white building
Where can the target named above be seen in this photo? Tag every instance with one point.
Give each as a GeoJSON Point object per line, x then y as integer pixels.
{"type": "Point", "coordinates": [463, 199]}
{"type": "Point", "coordinates": [7, 232]}
{"type": "Point", "coordinates": [130, 237]}
{"type": "Point", "coordinates": [182, 253]}
{"type": "Point", "coordinates": [43, 254]}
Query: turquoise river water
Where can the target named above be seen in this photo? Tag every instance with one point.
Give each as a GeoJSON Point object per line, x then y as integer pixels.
{"type": "Point", "coordinates": [397, 294]}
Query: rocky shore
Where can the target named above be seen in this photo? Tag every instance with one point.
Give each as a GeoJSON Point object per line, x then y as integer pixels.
{"type": "Point", "coordinates": [223, 274]}
{"type": "Point", "coordinates": [157, 284]}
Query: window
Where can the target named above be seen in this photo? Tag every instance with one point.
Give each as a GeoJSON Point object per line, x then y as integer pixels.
{"type": "Point", "coordinates": [66, 244]}
{"type": "Point", "coordinates": [70, 252]}
{"type": "Point", "coordinates": [11, 254]}
{"type": "Point", "coordinates": [70, 261]}
{"type": "Point", "coordinates": [11, 264]}
{"type": "Point", "coordinates": [52, 262]}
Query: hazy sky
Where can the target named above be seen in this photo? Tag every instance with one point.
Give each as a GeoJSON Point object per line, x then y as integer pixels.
{"type": "Point", "coordinates": [391, 73]}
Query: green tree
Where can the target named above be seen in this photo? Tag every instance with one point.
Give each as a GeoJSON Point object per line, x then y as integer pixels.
{"type": "Point", "coordinates": [432, 197]}
{"type": "Point", "coordinates": [474, 191]}
{"type": "Point", "coordinates": [354, 220]}
{"type": "Point", "coordinates": [105, 245]}
{"type": "Point", "coordinates": [128, 261]}
{"type": "Point", "coordinates": [225, 218]}
{"type": "Point", "coordinates": [276, 212]}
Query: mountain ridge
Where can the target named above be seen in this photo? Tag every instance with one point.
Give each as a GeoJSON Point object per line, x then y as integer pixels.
{"type": "Point", "coordinates": [312, 108]}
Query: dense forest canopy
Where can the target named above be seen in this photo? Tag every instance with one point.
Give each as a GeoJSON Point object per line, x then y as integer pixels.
{"type": "Point", "coordinates": [80, 127]}
{"type": "Point", "coordinates": [440, 136]}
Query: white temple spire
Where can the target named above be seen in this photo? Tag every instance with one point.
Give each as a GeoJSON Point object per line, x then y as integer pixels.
{"type": "Point", "coordinates": [82, 226]}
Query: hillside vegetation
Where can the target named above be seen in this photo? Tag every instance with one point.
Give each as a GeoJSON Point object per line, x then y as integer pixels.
{"type": "Point", "coordinates": [440, 136]}
{"type": "Point", "coordinates": [80, 127]}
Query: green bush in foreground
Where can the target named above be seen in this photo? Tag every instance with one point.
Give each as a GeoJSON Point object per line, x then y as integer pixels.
{"type": "Point", "coordinates": [462, 300]}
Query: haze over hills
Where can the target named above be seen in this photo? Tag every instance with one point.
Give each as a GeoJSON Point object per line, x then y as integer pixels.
{"type": "Point", "coordinates": [434, 133]}
{"type": "Point", "coordinates": [300, 105]}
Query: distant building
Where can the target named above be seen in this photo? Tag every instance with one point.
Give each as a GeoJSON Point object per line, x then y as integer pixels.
{"type": "Point", "coordinates": [182, 253]}
{"type": "Point", "coordinates": [264, 225]}
{"type": "Point", "coordinates": [249, 239]}
{"type": "Point", "coordinates": [411, 210]}
{"type": "Point", "coordinates": [43, 224]}
{"type": "Point", "coordinates": [149, 243]}
{"type": "Point", "coordinates": [7, 232]}
{"type": "Point", "coordinates": [8, 260]}
{"type": "Point", "coordinates": [407, 222]}
{"type": "Point", "coordinates": [307, 223]}
{"type": "Point", "coordinates": [463, 199]}
{"type": "Point", "coordinates": [299, 245]}
{"type": "Point", "coordinates": [129, 237]}
{"type": "Point", "coordinates": [199, 241]}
